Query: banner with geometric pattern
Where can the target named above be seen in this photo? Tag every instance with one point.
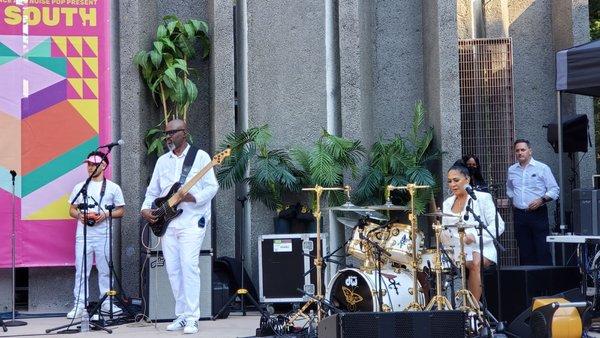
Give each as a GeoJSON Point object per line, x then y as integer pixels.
{"type": "Point", "coordinates": [54, 110]}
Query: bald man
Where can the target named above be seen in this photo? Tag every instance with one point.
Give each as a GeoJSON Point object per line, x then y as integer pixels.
{"type": "Point", "coordinates": [183, 238]}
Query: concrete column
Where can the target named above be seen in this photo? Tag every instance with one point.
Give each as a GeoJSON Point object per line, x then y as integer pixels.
{"type": "Point", "coordinates": [222, 110]}
{"type": "Point", "coordinates": [495, 13]}
{"type": "Point", "coordinates": [442, 99]}
{"type": "Point", "coordinates": [137, 27]}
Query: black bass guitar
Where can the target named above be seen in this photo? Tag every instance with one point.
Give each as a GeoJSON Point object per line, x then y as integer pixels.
{"type": "Point", "coordinates": [166, 207]}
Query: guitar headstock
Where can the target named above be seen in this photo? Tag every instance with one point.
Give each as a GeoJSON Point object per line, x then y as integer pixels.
{"type": "Point", "coordinates": [218, 158]}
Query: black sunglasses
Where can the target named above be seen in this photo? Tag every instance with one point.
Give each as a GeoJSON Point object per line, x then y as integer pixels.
{"type": "Point", "coordinates": [172, 132]}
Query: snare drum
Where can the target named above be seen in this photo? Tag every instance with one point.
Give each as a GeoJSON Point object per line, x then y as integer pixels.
{"type": "Point", "coordinates": [399, 244]}
{"type": "Point", "coordinates": [355, 290]}
{"type": "Point", "coordinates": [360, 248]}
{"type": "Point", "coordinates": [428, 260]}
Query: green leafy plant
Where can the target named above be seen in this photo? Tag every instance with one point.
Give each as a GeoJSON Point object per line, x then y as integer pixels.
{"type": "Point", "coordinates": [399, 161]}
{"type": "Point", "coordinates": [327, 162]}
{"type": "Point", "coordinates": [271, 172]}
{"type": "Point", "coordinates": [167, 74]}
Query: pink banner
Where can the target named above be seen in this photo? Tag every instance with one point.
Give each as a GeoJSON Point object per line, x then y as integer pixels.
{"type": "Point", "coordinates": [54, 110]}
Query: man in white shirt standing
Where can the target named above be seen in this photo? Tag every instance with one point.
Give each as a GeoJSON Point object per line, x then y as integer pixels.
{"type": "Point", "coordinates": [100, 192]}
{"type": "Point", "coordinates": [530, 185]}
{"type": "Point", "coordinates": [183, 238]}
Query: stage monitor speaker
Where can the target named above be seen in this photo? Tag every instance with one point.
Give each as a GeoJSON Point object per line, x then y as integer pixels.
{"type": "Point", "coordinates": [283, 265]}
{"type": "Point", "coordinates": [156, 289]}
{"type": "Point", "coordinates": [520, 284]}
{"type": "Point", "coordinates": [586, 211]}
{"type": "Point", "coordinates": [521, 325]}
{"type": "Point", "coordinates": [422, 324]}
{"type": "Point", "coordinates": [575, 134]}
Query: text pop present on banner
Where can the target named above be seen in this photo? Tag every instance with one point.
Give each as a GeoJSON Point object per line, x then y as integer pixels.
{"type": "Point", "coordinates": [54, 110]}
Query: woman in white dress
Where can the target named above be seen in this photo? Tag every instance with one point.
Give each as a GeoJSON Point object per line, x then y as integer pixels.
{"type": "Point", "coordinates": [483, 206]}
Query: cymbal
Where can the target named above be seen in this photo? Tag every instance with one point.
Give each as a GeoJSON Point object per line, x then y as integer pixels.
{"type": "Point", "coordinates": [389, 206]}
{"type": "Point", "coordinates": [459, 225]}
{"type": "Point", "coordinates": [349, 207]}
{"type": "Point", "coordinates": [347, 221]}
{"type": "Point", "coordinates": [441, 214]}
{"type": "Point", "coordinates": [372, 214]}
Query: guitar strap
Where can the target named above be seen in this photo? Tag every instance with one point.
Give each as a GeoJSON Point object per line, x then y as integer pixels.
{"type": "Point", "coordinates": [187, 163]}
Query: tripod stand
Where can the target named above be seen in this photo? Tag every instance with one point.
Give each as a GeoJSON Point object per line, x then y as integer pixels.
{"type": "Point", "coordinates": [13, 322]}
{"type": "Point", "coordinates": [241, 291]}
{"type": "Point", "coordinates": [111, 292]}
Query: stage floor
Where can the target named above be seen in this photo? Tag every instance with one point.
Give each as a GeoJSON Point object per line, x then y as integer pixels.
{"type": "Point", "coordinates": [234, 326]}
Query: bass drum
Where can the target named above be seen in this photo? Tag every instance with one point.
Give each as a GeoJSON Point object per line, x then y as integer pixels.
{"type": "Point", "coordinates": [353, 290]}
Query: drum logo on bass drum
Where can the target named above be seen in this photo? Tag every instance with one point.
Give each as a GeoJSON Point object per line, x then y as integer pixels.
{"type": "Point", "coordinates": [352, 298]}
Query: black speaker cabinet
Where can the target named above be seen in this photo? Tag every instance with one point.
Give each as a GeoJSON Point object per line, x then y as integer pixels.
{"type": "Point", "coordinates": [521, 283]}
{"type": "Point", "coordinates": [586, 211]}
{"type": "Point", "coordinates": [422, 324]}
{"type": "Point", "coordinates": [575, 134]}
{"type": "Point", "coordinates": [285, 264]}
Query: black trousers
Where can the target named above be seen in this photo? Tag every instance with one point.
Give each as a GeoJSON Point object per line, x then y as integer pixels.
{"type": "Point", "coordinates": [531, 229]}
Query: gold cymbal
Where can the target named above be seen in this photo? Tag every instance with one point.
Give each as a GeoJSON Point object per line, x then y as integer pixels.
{"type": "Point", "coordinates": [347, 221]}
{"type": "Point", "coordinates": [441, 214]}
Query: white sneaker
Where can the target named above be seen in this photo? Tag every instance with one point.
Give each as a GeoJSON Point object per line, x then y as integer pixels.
{"type": "Point", "coordinates": [191, 326]}
{"type": "Point", "coordinates": [76, 312]}
{"type": "Point", "coordinates": [115, 309]}
{"type": "Point", "coordinates": [177, 324]}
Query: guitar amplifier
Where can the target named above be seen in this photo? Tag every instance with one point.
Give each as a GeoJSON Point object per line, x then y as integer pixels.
{"type": "Point", "coordinates": [155, 287]}
{"type": "Point", "coordinates": [284, 262]}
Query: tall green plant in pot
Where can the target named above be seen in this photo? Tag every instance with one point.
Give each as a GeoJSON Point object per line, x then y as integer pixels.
{"type": "Point", "coordinates": [327, 162]}
{"type": "Point", "coordinates": [399, 161]}
{"type": "Point", "coordinates": [271, 172]}
{"type": "Point", "coordinates": [166, 71]}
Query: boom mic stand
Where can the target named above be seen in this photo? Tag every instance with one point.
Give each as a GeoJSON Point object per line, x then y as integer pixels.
{"type": "Point", "coordinates": [501, 248]}
{"type": "Point", "coordinates": [13, 322]}
{"type": "Point", "coordinates": [241, 291]}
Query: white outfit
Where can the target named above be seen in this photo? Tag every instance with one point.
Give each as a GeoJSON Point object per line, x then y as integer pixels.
{"type": "Point", "coordinates": [532, 182]}
{"type": "Point", "coordinates": [97, 237]}
{"type": "Point", "coordinates": [184, 235]}
{"type": "Point", "coordinates": [484, 208]}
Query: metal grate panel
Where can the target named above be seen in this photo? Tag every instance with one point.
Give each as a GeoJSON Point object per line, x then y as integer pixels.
{"type": "Point", "coordinates": [487, 119]}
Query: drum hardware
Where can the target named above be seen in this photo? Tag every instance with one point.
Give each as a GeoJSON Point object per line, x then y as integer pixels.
{"type": "Point", "coordinates": [438, 301]}
{"type": "Point", "coordinates": [379, 261]}
{"type": "Point", "coordinates": [318, 261]}
{"type": "Point", "coordinates": [388, 206]}
{"type": "Point", "coordinates": [469, 304]}
{"type": "Point", "coordinates": [412, 189]}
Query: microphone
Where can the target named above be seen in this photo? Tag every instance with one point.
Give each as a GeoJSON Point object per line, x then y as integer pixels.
{"type": "Point", "coordinates": [13, 174]}
{"type": "Point", "coordinates": [110, 145]}
{"type": "Point", "coordinates": [470, 191]}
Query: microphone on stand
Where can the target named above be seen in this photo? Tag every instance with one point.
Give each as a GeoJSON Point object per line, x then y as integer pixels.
{"type": "Point", "coordinates": [110, 145]}
{"type": "Point", "coordinates": [471, 192]}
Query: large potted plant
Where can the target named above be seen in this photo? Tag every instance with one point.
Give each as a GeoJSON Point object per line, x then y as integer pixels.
{"type": "Point", "coordinates": [166, 71]}
{"type": "Point", "coordinates": [399, 161]}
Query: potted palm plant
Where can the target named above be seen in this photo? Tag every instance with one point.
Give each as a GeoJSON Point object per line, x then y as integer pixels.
{"type": "Point", "coordinates": [399, 161]}
{"type": "Point", "coordinates": [166, 71]}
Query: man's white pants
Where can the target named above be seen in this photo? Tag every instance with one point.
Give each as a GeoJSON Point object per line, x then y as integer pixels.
{"type": "Point", "coordinates": [98, 246]}
{"type": "Point", "coordinates": [181, 249]}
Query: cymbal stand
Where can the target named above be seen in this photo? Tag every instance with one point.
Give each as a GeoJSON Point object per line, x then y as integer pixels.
{"type": "Point", "coordinates": [469, 303]}
{"type": "Point", "coordinates": [412, 190]}
{"type": "Point", "coordinates": [438, 301]}
{"type": "Point", "coordinates": [318, 298]}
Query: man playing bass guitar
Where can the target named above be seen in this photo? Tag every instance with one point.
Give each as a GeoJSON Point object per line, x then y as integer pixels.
{"type": "Point", "coordinates": [185, 232]}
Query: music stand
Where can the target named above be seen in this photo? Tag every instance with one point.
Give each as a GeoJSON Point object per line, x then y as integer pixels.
{"type": "Point", "coordinates": [13, 322]}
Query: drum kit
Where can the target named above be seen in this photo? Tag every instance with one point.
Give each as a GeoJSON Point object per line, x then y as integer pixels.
{"type": "Point", "coordinates": [391, 257]}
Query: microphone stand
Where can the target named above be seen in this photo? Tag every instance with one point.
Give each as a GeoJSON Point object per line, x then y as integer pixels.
{"type": "Point", "coordinates": [500, 324]}
{"type": "Point", "coordinates": [379, 250]}
{"type": "Point", "coordinates": [501, 248]}
{"type": "Point", "coordinates": [13, 322]}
